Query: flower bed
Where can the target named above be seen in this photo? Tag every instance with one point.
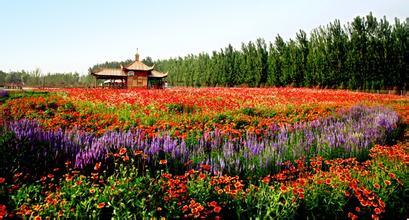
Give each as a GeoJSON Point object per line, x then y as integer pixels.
{"type": "Point", "coordinates": [213, 153]}
{"type": "Point", "coordinates": [319, 188]}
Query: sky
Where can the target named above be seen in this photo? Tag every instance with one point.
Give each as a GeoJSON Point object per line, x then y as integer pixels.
{"type": "Point", "coordinates": [73, 35]}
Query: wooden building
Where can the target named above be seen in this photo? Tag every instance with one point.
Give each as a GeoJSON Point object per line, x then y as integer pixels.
{"type": "Point", "coordinates": [135, 75]}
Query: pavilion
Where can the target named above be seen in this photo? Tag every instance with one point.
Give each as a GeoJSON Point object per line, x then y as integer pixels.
{"type": "Point", "coordinates": [135, 75]}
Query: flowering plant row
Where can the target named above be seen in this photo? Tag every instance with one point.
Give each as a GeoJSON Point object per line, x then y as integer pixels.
{"type": "Point", "coordinates": [351, 134]}
{"type": "Point", "coordinates": [187, 111]}
{"type": "Point", "coordinates": [338, 188]}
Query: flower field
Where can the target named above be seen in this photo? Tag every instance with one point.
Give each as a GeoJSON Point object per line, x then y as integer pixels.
{"type": "Point", "coordinates": [204, 153]}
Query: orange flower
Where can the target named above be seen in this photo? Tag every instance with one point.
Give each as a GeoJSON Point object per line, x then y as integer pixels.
{"type": "Point", "coordinates": [302, 181]}
{"type": "Point", "coordinates": [163, 162]}
{"type": "Point", "coordinates": [101, 205]}
{"type": "Point", "coordinates": [138, 152]}
{"type": "Point", "coordinates": [328, 181]}
{"type": "Point", "coordinates": [392, 175]}
{"type": "Point", "coordinates": [37, 218]}
{"type": "Point", "coordinates": [378, 211]}
{"type": "Point", "coordinates": [97, 166]}
{"type": "Point", "coordinates": [266, 180]}
{"type": "Point", "coordinates": [387, 182]}
{"type": "Point", "coordinates": [376, 186]}
{"type": "Point", "coordinates": [68, 178]}
{"type": "Point", "coordinates": [283, 188]}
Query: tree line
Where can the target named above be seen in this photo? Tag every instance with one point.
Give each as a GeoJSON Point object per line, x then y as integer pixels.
{"type": "Point", "coordinates": [37, 79]}
{"type": "Point", "coordinates": [367, 53]}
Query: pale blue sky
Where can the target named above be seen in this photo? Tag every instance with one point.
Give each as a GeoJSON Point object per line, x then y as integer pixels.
{"type": "Point", "coordinates": [72, 35]}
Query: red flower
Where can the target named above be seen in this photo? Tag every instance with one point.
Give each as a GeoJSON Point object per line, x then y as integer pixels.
{"type": "Point", "coordinates": [2, 180]}
{"type": "Point", "coordinates": [97, 166]}
{"type": "Point", "coordinates": [387, 182]}
{"type": "Point", "coordinates": [213, 203]}
{"type": "Point", "coordinates": [67, 163]}
{"type": "Point", "coordinates": [381, 203]}
{"type": "Point", "coordinates": [205, 167]}
{"type": "Point", "coordinates": [37, 218]}
{"type": "Point", "coordinates": [163, 162]}
{"type": "Point", "coordinates": [68, 178]}
{"type": "Point", "coordinates": [202, 176]}
{"type": "Point", "coordinates": [376, 186]}
{"type": "Point", "coordinates": [347, 194]}
{"type": "Point", "coordinates": [101, 205]}
{"type": "Point", "coordinates": [283, 188]}
{"type": "Point", "coordinates": [125, 158]}
{"type": "Point", "coordinates": [302, 181]}
{"type": "Point", "coordinates": [138, 152]}
{"type": "Point", "coordinates": [185, 208]}
{"type": "Point", "coordinates": [217, 209]}
{"type": "Point", "coordinates": [266, 180]}
{"type": "Point", "coordinates": [122, 151]}
{"type": "Point", "coordinates": [352, 216]}
{"type": "Point", "coordinates": [378, 211]}
{"type": "Point", "coordinates": [50, 176]}
{"type": "Point", "coordinates": [3, 211]}
{"type": "Point", "coordinates": [328, 181]}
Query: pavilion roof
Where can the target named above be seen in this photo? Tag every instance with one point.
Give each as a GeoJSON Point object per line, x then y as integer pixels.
{"type": "Point", "coordinates": [109, 72]}
{"type": "Point", "coordinates": [157, 74]}
{"type": "Point", "coordinates": [138, 65]}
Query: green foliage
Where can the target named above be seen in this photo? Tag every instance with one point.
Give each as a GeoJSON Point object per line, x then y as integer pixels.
{"type": "Point", "coordinates": [37, 79]}
{"type": "Point", "coordinates": [180, 108]}
{"type": "Point", "coordinates": [323, 201]}
{"type": "Point", "coordinates": [269, 202]}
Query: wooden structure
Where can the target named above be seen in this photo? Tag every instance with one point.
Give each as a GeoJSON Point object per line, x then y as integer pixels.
{"type": "Point", "coordinates": [135, 75]}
